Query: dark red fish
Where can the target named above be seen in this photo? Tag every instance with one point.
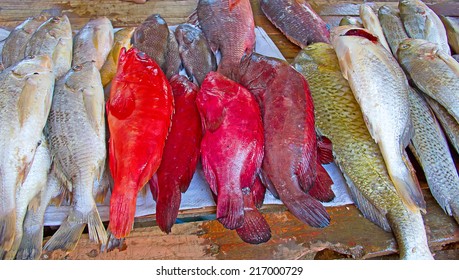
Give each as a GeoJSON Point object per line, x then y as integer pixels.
{"type": "Point", "coordinates": [139, 115]}
{"type": "Point", "coordinates": [180, 155]}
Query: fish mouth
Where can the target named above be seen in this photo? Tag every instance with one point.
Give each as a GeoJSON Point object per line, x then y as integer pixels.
{"type": "Point", "coordinates": [361, 33]}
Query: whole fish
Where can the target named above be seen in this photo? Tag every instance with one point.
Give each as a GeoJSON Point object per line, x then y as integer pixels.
{"type": "Point", "coordinates": [433, 71]}
{"type": "Point", "coordinates": [26, 90]}
{"type": "Point", "coordinates": [232, 153]}
{"type": "Point", "coordinates": [348, 20]}
{"type": "Point", "coordinates": [392, 27]}
{"type": "Point", "coordinates": [76, 127]}
{"type": "Point", "coordinates": [452, 32]}
{"type": "Point", "coordinates": [338, 117]}
{"type": "Point", "coordinates": [122, 39]}
{"type": "Point", "coordinates": [291, 163]}
{"type": "Point", "coordinates": [228, 27]}
{"type": "Point", "coordinates": [197, 57]}
{"type": "Point", "coordinates": [422, 23]}
{"type": "Point", "coordinates": [53, 38]}
{"type": "Point", "coordinates": [180, 155]}
{"type": "Point", "coordinates": [139, 114]}
{"type": "Point", "coordinates": [430, 147]}
{"type": "Point", "coordinates": [93, 42]}
{"type": "Point", "coordinates": [381, 88]}
{"type": "Point", "coordinates": [371, 23]}
{"type": "Point", "coordinates": [296, 20]}
{"type": "Point", "coordinates": [154, 38]}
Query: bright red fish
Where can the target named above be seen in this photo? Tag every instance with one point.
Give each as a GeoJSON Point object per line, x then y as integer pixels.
{"type": "Point", "coordinates": [232, 153]}
{"type": "Point", "coordinates": [139, 115]}
{"type": "Point", "coordinates": [180, 155]}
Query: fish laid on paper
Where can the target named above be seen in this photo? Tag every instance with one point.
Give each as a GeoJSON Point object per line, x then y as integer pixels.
{"type": "Point", "coordinates": [14, 48]}
{"type": "Point", "coordinates": [296, 20]}
{"type": "Point", "coordinates": [348, 20]}
{"type": "Point", "coordinates": [76, 127]}
{"type": "Point", "coordinates": [430, 147]}
{"type": "Point", "coordinates": [422, 23]}
{"type": "Point", "coordinates": [392, 27]}
{"type": "Point", "coordinates": [232, 153]}
{"type": "Point", "coordinates": [452, 31]}
{"type": "Point", "coordinates": [197, 57]}
{"type": "Point", "coordinates": [180, 154]}
{"type": "Point", "coordinates": [93, 42]}
{"type": "Point", "coordinates": [338, 117]}
{"type": "Point", "coordinates": [291, 165]}
{"type": "Point", "coordinates": [228, 27]}
{"type": "Point", "coordinates": [371, 23]}
{"type": "Point", "coordinates": [154, 38]}
{"type": "Point", "coordinates": [53, 38]}
{"type": "Point", "coordinates": [139, 114]}
{"type": "Point", "coordinates": [433, 71]}
{"type": "Point", "coordinates": [122, 39]}
{"type": "Point", "coordinates": [381, 88]}
{"type": "Point", "coordinates": [26, 91]}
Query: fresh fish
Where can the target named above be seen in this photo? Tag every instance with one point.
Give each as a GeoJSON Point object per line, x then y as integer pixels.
{"type": "Point", "coordinates": [154, 38]}
{"type": "Point", "coordinates": [26, 91]}
{"type": "Point", "coordinates": [348, 20]}
{"type": "Point", "coordinates": [392, 27]}
{"type": "Point", "coordinates": [297, 21]}
{"type": "Point", "coordinates": [197, 57]}
{"type": "Point", "coordinates": [122, 39]}
{"type": "Point", "coordinates": [180, 155]}
{"type": "Point", "coordinates": [14, 48]}
{"type": "Point", "coordinates": [371, 23]}
{"type": "Point", "coordinates": [430, 147]}
{"type": "Point", "coordinates": [291, 163]}
{"type": "Point", "coordinates": [338, 117]}
{"type": "Point", "coordinates": [433, 71]}
{"type": "Point", "coordinates": [452, 32]}
{"type": "Point", "coordinates": [422, 23]}
{"type": "Point", "coordinates": [76, 127]}
{"type": "Point", "coordinates": [93, 42]}
{"type": "Point", "coordinates": [139, 114]}
{"type": "Point", "coordinates": [53, 38]}
{"type": "Point", "coordinates": [381, 88]}
{"type": "Point", "coordinates": [232, 153]}
{"type": "Point", "coordinates": [229, 27]}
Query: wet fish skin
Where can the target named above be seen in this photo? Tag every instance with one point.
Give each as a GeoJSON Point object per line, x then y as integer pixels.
{"type": "Point", "coordinates": [93, 42]}
{"type": "Point", "coordinates": [392, 26]}
{"type": "Point", "coordinates": [381, 88]}
{"type": "Point", "coordinates": [76, 126]}
{"type": "Point", "coordinates": [196, 55]}
{"type": "Point", "coordinates": [371, 23]}
{"type": "Point", "coordinates": [339, 118]}
{"type": "Point", "coordinates": [452, 31]}
{"type": "Point", "coordinates": [348, 20]}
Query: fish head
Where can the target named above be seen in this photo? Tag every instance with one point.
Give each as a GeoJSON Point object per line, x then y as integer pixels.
{"type": "Point", "coordinates": [57, 26]}
{"type": "Point", "coordinates": [136, 66]}
{"type": "Point", "coordinates": [319, 54]}
{"type": "Point", "coordinates": [387, 11]}
{"type": "Point", "coordinates": [33, 65]}
{"type": "Point", "coordinates": [411, 6]}
{"type": "Point", "coordinates": [181, 85]}
{"type": "Point", "coordinates": [216, 92]}
{"type": "Point", "coordinates": [416, 49]}
{"type": "Point", "coordinates": [81, 76]}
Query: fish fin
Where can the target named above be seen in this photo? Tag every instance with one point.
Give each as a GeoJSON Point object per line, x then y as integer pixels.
{"type": "Point", "coordinates": [34, 204]}
{"type": "Point", "coordinates": [154, 186]}
{"type": "Point", "coordinates": [102, 191]}
{"type": "Point", "coordinates": [321, 189]}
{"type": "Point", "coordinates": [26, 101]}
{"type": "Point", "coordinates": [264, 178]}
{"type": "Point", "coordinates": [230, 206]}
{"type": "Point", "coordinates": [324, 150]}
{"type": "Point", "coordinates": [450, 61]}
{"type": "Point", "coordinates": [113, 243]}
{"type": "Point", "coordinates": [62, 195]}
{"type": "Point", "coordinates": [454, 206]}
{"type": "Point", "coordinates": [347, 65]}
{"type": "Point", "coordinates": [31, 244]}
{"type": "Point", "coordinates": [255, 229]}
{"type": "Point", "coordinates": [94, 111]}
{"type": "Point", "coordinates": [122, 212]}
{"type": "Point", "coordinates": [306, 208]}
{"type": "Point", "coordinates": [368, 210]}
{"type": "Point", "coordinates": [121, 103]}
{"type": "Point", "coordinates": [7, 230]}
{"type": "Point", "coordinates": [61, 176]}
{"type": "Point", "coordinates": [193, 18]}
{"type": "Point", "coordinates": [213, 119]}
{"type": "Point", "coordinates": [233, 3]}
{"type": "Point", "coordinates": [258, 192]}
{"type": "Point", "coordinates": [167, 206]}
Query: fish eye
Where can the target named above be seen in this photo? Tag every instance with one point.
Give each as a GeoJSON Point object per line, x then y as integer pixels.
{"type": "Point", "coordinates": [77, 67]}
{"type": "Point", "coordinates": [141, 55]}
{"type": "Point", "coordinates": [404, 46]}
{"type": "Point", "coordinates": [56, 19]}
{"type": "Point", "coordinates": [30, 57]}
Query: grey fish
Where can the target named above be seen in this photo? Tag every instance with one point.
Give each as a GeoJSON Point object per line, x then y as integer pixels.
{"type": "Point", "coordinates": [452, 31]}
{"type": "Point", "coordinates": [348, 20]}
{"type": "Point", "coordinates": [392, 27]}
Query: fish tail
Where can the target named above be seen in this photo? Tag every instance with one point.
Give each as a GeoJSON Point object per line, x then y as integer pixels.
{"type": "Point", "coordinates": [31, 244]}
{"type": "Point", "coordinates": [122, 212]}
{"type": "Point", "coordinates": [96, 229]}
{"type": "Point", "coordinates": [167, 206]}
{"type": "Point", "coordinates": [321, 189]}
{"type": "Point", "coordinates": [7, 230]}
{"type": "Point", "coordinates": [113, 243]}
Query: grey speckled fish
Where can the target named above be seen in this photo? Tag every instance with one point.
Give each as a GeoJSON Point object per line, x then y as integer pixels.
{"type": "Point", "coordinates": [392, 27]}
{"type": "Point", "coordinates": [452, 31]}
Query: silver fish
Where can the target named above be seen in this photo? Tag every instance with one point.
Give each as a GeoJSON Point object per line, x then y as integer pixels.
{"type": "Point", "coordinates": [371, 23]}
{"type": "Point", "coordinates": [452, 31]}
{"type": "Point", "coordinates": [392, 27]}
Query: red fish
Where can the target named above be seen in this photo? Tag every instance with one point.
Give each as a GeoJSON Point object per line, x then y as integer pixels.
{"type": "Point", "coordinates": [180, 155]}
{"type": "Point", "coordinates": [232, 153]}
{"type": "Point", "coordinates": [139, 115]}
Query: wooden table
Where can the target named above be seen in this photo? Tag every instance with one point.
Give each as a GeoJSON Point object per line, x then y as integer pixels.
{"type": "Point", "coordinates": [349, 234]}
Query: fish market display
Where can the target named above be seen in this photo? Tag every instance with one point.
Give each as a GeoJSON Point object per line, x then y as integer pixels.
{"type": "Point", "coordinates": [180, 154]}
{"type": "Point", "coordinates": [371, 23]}
{"type": "Point", "coordinates": [338, 117]}
{"type": "Point", "coordinates": [197, 57]}
{"type": "Point", "coordinates": [433, 71]}
{"type": "Point", "coordinates": [452, 31]}
{"type": "Point", "coordinates": [139, 114]}
{"type": "Point", "coordinates": [422, 23]}
{"type": "Point", "coordinates": [93, 42]}
{"type": "Point", "coordinates": [296, 20]}
{"type": "Point", "coordinates": [392, 27]}
{"type": "Point", "coordinates": [26, 91]}
{"type": "Point", "coordinates": [153, 38]}
{"type": "Point", "coordinates": [381, 88]}
{"type": "Point", "coordinates": [291, 165]}
{"type": "Point", "coordinates": [228, 27]}
{"type": "Point", "coordinates": [14, 48]}
{"type": "Point", "coordinates": [232, 153]}
{"type": "Point", "coordinates": [122, 39]}
{"type": "Point", "coordinates": [76, 127]}
{"type": "Point", "coordinates": [431, 149]}
{"type": "Point", "coordinates": [348, 20]}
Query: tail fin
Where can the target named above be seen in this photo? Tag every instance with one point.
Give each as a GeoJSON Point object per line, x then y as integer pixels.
{"type": "Point", "coordinates": [7, 230]}
{"type": "Point", "coordinates": [321, 189]}
{"type": "Point", "coordinates": [122, 212]}
{"type": "Point", "coordinates": [113, 243]}
{"type": "Point", "coordinates": [168, 204]}
{"type": "Point", "coordinates": [31, 244]}
{"type": "Point", "coordinates": [258, 192]}
{"type": "Point", "coordinates": [255, 229]}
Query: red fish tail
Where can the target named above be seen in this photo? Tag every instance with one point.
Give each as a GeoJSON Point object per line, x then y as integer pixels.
{"type": "Point", "coordinates": [255, 229]}
{"type": "Point", "coordinates": [321, 189]}
{"type": "Point", "coordinates": [122, 212]}
{"type": "Point", "coordinates": [167, 207]}
{"type": "Point", "coordinates": [258, 192]}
